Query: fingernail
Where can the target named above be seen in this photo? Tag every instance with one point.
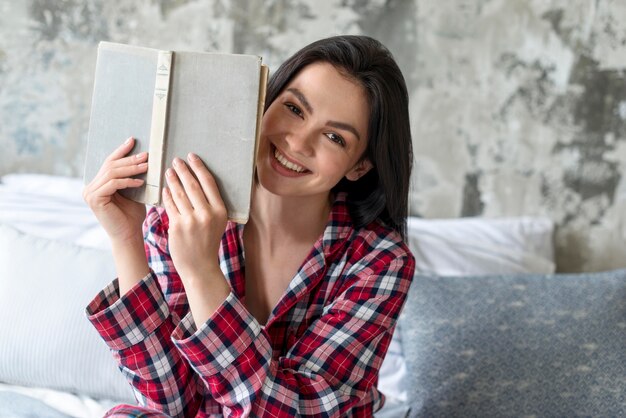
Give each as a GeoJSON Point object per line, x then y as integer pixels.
{"type": "Point", "coordinates": [141, 155]}
{"type": "Point", "coordinates": [176, 162]}
{"type": "Point", "coordinates": [130, 138]}
{"type": "Point", "coordinates": [192, 157]}
{"type": "Point", "coordinates": [169, 172]}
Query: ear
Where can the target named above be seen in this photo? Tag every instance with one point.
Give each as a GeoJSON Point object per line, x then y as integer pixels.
{"type": "Point", "coordinates": [359, 170]}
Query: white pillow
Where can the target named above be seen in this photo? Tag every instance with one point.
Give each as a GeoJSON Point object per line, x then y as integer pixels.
{"type": "Point", "coordinates": [45, 338]}
{"type": "Point", "coordinates": [463, 246]}
{"type": "Point", "coordinates": [50, 207]}
{"type": "Point", "coordinates": [468, 246]}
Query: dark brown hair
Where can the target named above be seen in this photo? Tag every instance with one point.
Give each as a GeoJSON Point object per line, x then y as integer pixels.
{"type": "Point", "coordinates": [383, 192]}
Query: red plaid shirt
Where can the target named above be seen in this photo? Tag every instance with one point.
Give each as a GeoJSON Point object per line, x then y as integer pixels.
{"type": "Point", "coordinates": [318, 355]}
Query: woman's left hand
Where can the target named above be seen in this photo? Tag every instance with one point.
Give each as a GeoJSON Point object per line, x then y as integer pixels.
{"type": "Point", "coordinates": [197, 220]}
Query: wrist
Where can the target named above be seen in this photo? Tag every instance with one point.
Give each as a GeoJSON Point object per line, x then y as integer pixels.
{"type": "Point", "coordinates": [129, 240]}
{"type": "Point", "coordinates": [206, 292]}
{"type": "Point", "coordinates": [131, 263]}
{"type": "Point", "coordinates": [201, 278]}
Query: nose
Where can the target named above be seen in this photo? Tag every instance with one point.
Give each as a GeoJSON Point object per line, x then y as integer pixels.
{"type": "Point", "coordinates": [301, 141]}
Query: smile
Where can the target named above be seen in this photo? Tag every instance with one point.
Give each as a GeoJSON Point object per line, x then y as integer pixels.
{"type": "Point", "coordinates": [286, 163]}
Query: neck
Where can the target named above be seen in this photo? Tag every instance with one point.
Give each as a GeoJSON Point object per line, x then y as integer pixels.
{"type": "Point", "coordinates": [278, 220]}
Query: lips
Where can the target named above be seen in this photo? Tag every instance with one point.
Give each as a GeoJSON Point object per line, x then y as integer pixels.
{"type": "Point", "coordinates": [285, 165]}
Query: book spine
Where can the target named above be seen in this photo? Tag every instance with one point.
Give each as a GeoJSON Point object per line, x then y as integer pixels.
{"type": "Point", "coordinates": [158, 127]}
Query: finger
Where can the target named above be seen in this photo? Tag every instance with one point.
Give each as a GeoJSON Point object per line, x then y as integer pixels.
{"type": "Point", "coordinates": [130, 160]}
{"type": "Point", "coordinates": [192, 186]}
{"type": "Point", "coordinates": [169, 205]}
{"type": "Point", "coordinates": [122, 150]}
{"type": "Point", "coordinates": [113, 172]}
{"type": "Point", "coordinates": [207, 181]}
{"type": "Point", "coordinates": [114, 185]}
{"type": "Point", "coordinates": [178, 192]}
{"type": "Point", "coordinates": [104, 192]}
{"type": "Point", "coordinates": [126, 167]}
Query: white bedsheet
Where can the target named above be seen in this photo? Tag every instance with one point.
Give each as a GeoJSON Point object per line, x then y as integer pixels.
{"type": "Point", "coordinates": [67, 403]}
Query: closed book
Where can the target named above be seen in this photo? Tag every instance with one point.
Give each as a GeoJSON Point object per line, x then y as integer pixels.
{"type": "Point", "coordinates": [174, 103]}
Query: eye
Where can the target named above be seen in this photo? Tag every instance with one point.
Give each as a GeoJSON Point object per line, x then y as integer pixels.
{"type": "Point", "coordinates": [337, 139]}
{"type": "Point", "coordinates": [294, 109]}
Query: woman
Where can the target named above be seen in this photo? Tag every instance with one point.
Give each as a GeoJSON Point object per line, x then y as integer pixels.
{"type": "Point", "coordinates": [303, 332]}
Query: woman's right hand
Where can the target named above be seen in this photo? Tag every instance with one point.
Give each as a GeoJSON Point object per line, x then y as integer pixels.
{"type": "Point", "coordinates": [120, 217]}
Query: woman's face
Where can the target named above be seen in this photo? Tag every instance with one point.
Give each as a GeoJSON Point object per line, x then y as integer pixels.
{"type": "Point", "coordinates": [313, 134]}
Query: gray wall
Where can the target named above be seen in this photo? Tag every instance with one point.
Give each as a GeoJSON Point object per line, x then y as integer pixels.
{"type": "Point", "coordinates": [518, 106]}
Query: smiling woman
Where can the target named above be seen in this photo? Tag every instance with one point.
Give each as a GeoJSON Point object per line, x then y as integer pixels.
{"type": "Point", "coordinates": [291, 314]}
{"type": "Point", "coordinates": [313, 131]}
{"type": "Point", "coordinates": [383, 192]}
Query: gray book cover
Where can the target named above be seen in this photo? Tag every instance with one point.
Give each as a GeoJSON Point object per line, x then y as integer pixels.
{"type": "Point", "coordinates": [174, 103]}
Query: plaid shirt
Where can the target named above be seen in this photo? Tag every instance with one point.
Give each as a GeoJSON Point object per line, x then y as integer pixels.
{"type": "Point", "coordinates": [318, 355]}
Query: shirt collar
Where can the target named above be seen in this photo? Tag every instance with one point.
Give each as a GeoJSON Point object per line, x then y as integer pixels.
{"type": "Point", "coordinates": [339, 225]}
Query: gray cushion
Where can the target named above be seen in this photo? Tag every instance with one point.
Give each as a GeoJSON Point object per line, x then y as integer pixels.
{"type": "Point", "coordinates": [544, 345]}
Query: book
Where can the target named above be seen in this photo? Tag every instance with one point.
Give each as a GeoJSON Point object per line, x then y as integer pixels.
{"type": "Point", "coordinates": [173, 103]}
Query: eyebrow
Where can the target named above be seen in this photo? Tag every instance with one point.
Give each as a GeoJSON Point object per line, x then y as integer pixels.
{"type": "Point", "coordinates": [335, 124]}
{"type": "Point", "coordinates": [302, 98]}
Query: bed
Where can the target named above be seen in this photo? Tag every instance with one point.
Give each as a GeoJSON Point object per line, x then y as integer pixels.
{"type": "Point", "coordinates": [488, 326]}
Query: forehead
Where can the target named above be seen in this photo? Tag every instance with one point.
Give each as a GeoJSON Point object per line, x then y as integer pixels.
{"type": "Point", "coordinates": [323, 75]}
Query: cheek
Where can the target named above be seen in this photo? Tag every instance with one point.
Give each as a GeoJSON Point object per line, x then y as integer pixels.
{"type": "Point", "coordinates": [267, 116]}
{"type": "Point", "coordinates": [335, 165]}
{"type": "Point", "coordinates": [271, 120]}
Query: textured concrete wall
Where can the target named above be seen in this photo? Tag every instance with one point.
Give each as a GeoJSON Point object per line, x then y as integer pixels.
{"type": "Point", "coordinates": [518, 106]}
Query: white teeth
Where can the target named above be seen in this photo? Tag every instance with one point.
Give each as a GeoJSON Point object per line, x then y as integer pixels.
{"type": "Point", "coordinates": [286, 163]}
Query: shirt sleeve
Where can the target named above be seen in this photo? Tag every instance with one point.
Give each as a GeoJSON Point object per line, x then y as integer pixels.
{"type": "Point", "coordinates": [328, 370]}
{"type": "Point", "coordinates": [137, 327]}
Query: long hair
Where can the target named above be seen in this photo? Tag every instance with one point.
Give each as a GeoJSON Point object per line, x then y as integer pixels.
{"type": "Point", "coordinates": [383, 192]}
